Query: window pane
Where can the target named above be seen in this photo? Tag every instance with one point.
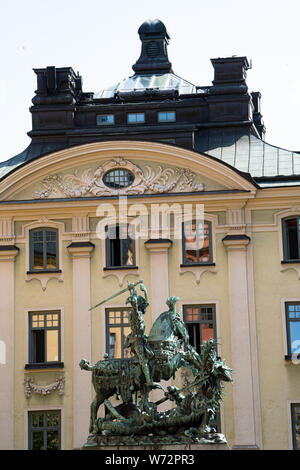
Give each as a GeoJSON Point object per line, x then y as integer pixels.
{"type": "Point", "coordinates": [194, 335]}
{"type": "Point", "coordinates": [207, 331]}
{"type": "Point", "coordinates": [126, 351]}
{"type": "Point", "coordinates": [190, 243]}
{"type": "Point", "coordinates": [38, 321]}
{"type": "Point", "coordinates": [38, 346]}
{"type": "Point", "coordinates": [38, 260]}
{"type": "Point", "coordinates": [166, 116]}
{"type": "Point", "coordinates": [115, 252]}
{"type": "Point", "coordinates": [115, 342]}
{"type": "Point", "coordinates": [51, 255]}
{"type": "Point", "coordinates": [127, 252]}
{"type": "Point", "coordinates": [295, 335]}
{"type": "Point", "coordinates": [37, 440]}
{"type": "Point", "coordinates": [104, 119]}
{"type": "Point", "coordinates": [203, 242]}
{"type": "Point", "coordinates": [292, 239]}
{"type": "Point", "coordinates": [38, 236]}
{"type": "Point", "coordinates": [37, 420]}
{"type": "Point", "coordinates": [52, 440]}
{"type": "Point", "coordinates": [135, 117]}
{"type": "Point", "coordinates": [52, 345]}
{"type": "Point", "coordinates": [52, 420]}
{"type": "Point", "coordinates": [125, 317]}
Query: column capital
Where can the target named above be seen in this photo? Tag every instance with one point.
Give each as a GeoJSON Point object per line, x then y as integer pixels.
{"type": "Point", "coordinates": [236, 242]}
{"type": "Point", "coordinates": [8, 252]}
{"type": "Point", "coordinates": [81, 249]}
{"type": "Point", "coordinates": [158, 244]}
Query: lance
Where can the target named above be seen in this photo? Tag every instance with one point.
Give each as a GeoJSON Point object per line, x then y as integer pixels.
{"type": "Point", "coordinates": [190, 385]}
{"type": "Point", "coordinates": [118, 293]}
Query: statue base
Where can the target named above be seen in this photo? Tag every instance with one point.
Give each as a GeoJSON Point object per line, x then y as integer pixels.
{"type": "Point", "coordinates": [211, 441]}
{"type": "Point", "coordinates": [162, 447]}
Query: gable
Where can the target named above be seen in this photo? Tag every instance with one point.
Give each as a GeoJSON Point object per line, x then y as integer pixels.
{"type": "Point", "coordinates": [153, 168]}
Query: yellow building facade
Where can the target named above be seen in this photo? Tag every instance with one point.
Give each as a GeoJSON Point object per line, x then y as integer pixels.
{"type": "Point", "coordinates": [54, 266]}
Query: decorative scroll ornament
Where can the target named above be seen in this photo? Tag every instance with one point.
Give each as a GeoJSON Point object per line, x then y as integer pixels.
{"type": "Point", "coordinates": [31, 387]}
{"type": "Point", "coordinates": [90, 183]}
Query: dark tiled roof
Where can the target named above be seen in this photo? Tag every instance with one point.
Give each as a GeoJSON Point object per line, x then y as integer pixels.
{"type": "Point", "coordinates": [33, 151]}
{"type": "Point", "coordinates": [248, 153]}
{"type": "Point", "coordinates": [237, 148]}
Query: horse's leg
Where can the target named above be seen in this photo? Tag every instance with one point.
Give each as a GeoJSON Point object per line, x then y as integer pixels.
{"type": "Point", "coordinates": [144, 403]}
{"type": "Point", "coordinates": [94, 410]}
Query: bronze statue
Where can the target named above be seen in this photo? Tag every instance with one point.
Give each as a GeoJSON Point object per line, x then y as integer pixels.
{"type": "Point", "coordinates": [137, 340]}
{"type": "Point", "coordinates": [154, 358]}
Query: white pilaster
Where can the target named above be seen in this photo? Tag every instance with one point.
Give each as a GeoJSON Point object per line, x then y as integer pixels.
{"type": "Point", "coordinates": [82, 386]}
{"type": "Point", "coordinates": [7, 258]}
{"type": "Point", "coordinates": [242, 355]}
{"type": "Point", "coordinates": [159, 269]}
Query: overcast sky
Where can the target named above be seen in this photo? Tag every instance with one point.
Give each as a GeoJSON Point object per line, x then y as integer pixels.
{"type": "Point", "coordinates": [99, 39]}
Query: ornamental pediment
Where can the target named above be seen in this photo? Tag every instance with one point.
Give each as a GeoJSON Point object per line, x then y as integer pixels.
{"type": "Point", "coordinates": [119, 177]}
{"type": "Point", "coordinates": [120, 169]}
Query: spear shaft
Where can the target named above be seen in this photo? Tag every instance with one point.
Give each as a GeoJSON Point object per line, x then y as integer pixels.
{"type": "Point", "coordinates": [118, 293]}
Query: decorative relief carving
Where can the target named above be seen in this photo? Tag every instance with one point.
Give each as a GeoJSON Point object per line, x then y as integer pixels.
{"type": "Point", "coordinates": [7, 231]}
{"type": "Point", "coordinates": [31, 387]}
{"type": "Point", "coordinates": [90, 183]}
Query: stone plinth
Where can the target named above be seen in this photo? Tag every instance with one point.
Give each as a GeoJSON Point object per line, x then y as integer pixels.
{"type": "Point", "coordinates": [162, 447]}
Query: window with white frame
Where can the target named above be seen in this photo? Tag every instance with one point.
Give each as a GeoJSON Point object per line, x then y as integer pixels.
{"type": "Point", "coordinates": [117, 330]}
{"type": "Point", "coordinates": [292, 316]}
{"type": "Point", "coordinates": [43, 250]}
{"type": "Point", "coordinates": [120, 246]}
{"type": "Point", "coordinates": [44, 339]}
{"type": "Point", "coordinates": [200, 322]}
{"type": "Point", "coordinates": [197, 243]}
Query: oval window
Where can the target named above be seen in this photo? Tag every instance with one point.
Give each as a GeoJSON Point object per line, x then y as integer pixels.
{"type": "Point", "coordinates": [118, 179]}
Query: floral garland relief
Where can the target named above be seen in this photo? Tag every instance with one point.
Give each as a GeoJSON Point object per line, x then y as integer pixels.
{"type": "Point", "coordinates": [31, 387]}
{"type": "Point", "coordinates": [90, 183]}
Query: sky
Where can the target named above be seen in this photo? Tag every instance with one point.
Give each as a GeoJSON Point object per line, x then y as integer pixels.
{"type": "Point", "coordinates": [99, 39]}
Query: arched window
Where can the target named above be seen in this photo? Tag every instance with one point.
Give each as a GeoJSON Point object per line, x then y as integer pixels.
{"type": "Point", "coordinates": [291, 238]}
{"type": "Point", "coordinates": [43, 252]}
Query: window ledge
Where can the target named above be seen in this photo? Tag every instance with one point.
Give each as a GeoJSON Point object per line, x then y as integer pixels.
{"type": "Point", "coordinates": [108, 268]}
{"type": "Point", "coordinates": [290, 261]}
{"type": "Point", "coordinates": [197, 269]}
{"type": "Point", "coordinates": [44, 365]}
{"type": "Point", "coordinates": [294, 360]}
{"type": "Point", "coordinates": [197, 265]}
{"type": "Point", "coordinates": [290, 264]}
{"type": "Point", "coordinates": [44, 271]}
{"type": "Point", "coordinates": [44, 276]}
{"type": "Point", "coordinates": [120, 272]}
